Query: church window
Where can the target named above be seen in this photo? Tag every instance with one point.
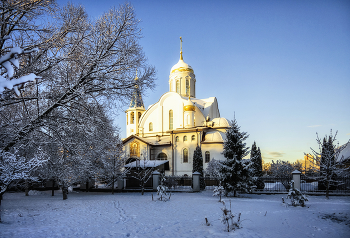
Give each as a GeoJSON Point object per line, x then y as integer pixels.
{"type": "Point", "coordinates": [177, 86]}
{"type": "Point", "coordinates": [170, 119]}
{"type": "Point", "coordinates": [150, 126]}
{"type": "Point", "coordinates": [187, 87]}
{"type": "Point", "coordinates": [207, 157]}
{"type": "Point", "coordinates": [162, 156]}
{"type": "Point", "coordinates": [127, 119]}
{"type": "Point", "coordinates": [134, 150]}
{"type": "Point", "coordinates": [193, 138]}
{"type": "Point", "coordinates": [132, 118]}
{"type": "Point", "coordinates": [185, 155]}
{"type": "Point", "coordinates": [185, 138]}
{"type": "Point", "coordinates": [177, 139]}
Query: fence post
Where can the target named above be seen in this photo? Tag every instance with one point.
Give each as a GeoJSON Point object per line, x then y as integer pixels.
{"type": "Point", "coordinates": [296, 177]}
{"type": "Point", "coordinates": [195, 182]}
{"type": "Point", "coordinates": [156, 176]}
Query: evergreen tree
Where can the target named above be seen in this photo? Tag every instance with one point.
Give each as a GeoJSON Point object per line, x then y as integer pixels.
{"type": "Point", "coordinates": [234, 172]}
{"type": "Point", "coordinates": [198, 165]}
{"type": "Point", "coordinates": [256, 166]}
{"type": "Point", "coordinates": [255, 157]}
{"type": "Point", "coordinates": [325, 159]}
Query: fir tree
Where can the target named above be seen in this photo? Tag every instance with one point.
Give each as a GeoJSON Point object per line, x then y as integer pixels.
{"type": "Point", "coordinates": [255, 157]}
{"type": "Point", "coordinates": [256, 166]}
{"type": "Point", "coordinates": [235, 174]}
{"type": "Point", "coordinates": [198, 165]}
{"type": "Point", "coordinates": [329, 167]}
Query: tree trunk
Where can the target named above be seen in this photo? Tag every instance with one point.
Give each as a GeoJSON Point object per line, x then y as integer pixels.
{"type": "Point", "coordinates": [53, 188]}
{"type": "Point", "coordinates": [327, 189]}
{"type": "Point", "coordinates": [113, 185]}
{"type": "Point", "coordinates": [0, 204]}
{"type": "Point", "coordinates": [26, 189]}
{"type": "Point", "coordinates": [64, 191]}
{"type": "Point", "coordinates": [87, 186]}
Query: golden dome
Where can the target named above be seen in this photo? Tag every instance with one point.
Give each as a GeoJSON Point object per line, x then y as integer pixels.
{"type": "Point", "coordinates": [181, 66]}
{"type": "Point", "coordinates": [189, 106]}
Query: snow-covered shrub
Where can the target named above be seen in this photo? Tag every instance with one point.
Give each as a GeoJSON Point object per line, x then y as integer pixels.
{"type": "Point", "coordinates": [219, 191]}
{"type": "Point", "coordinates": [162, 193]}
{"type": "Point", "coordinates": [228, 219]}
{"type": "Point", "coordinates": [162, 190]}
{"type": "Point", "coordinates": [296, 197]}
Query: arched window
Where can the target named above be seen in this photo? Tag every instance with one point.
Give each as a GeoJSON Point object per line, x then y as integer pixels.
{"type": "Point", "coordinates": [177, 86]}
{"type": "Point", "coordinates": [185, 138]}
{"type": "Point", "coordinates": [162, 156]}
{"type": "Point", "coordinates": [127, 119]}
{"type": "Point", "coordinates": [193, 138]}
{"type": "Point", "coordinates": [132, 118]}
{"type": "Point", "coordinates": [177, 139]}
{"type": "Point", "coordinates": [170, 119]}
{"type": "Point", "coordinates": [139, 116]}
{"type": "Point", "coordinates": [150, 126]}
{"type": "Point", "coordinates": [207, 157]}
{"type": "Point", "coordinates": [185, 155]}
{"type": "Point", "coordinates": [187, 87]}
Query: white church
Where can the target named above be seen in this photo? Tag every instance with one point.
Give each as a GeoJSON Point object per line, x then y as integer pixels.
{"type": "Point", "coordinates": [167, 133]}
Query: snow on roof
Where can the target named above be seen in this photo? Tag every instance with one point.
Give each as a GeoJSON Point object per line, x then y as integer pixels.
{"type": "Point", "coordinates": [161, 140]}
{"type": "Point", "coordinates": [146, 163]}
{"type": "Point", "coordinates": [204, 104]}
{"type": "Point", "coordinates": [214, 136]}
{"type": "Point", "coordinates": [221, 122]}
{"type": "Point", "coordinates": [345, 153]}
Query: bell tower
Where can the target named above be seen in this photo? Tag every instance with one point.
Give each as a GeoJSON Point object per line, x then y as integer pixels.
{"type": "Point", "coordinates": [182, 79]}
{"type": "Point", "coordinates": [135, 111]}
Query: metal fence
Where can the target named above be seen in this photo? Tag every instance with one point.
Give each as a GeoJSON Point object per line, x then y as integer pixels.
{"type": "Point", "coordinates": [340, 185]}
{"type": "Point", "coordinates": [178, 182]}
{"type": "Point", "coordinates": [270, 184]}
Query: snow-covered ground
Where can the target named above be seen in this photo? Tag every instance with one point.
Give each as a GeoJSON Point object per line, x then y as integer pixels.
{"type": "Point", "coordinates": [134, 215]}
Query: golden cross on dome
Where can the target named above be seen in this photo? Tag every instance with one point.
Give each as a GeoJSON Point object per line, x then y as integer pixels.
{"type": "Point", "coordinates": [181, 58]}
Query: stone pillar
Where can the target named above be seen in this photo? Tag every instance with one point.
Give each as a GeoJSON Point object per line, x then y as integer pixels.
{"type": "Point", "coordinates": [296, 177]}
{"type": "Point", "coordinates": [195, 182]}
{"type": "Point", "coordinates": [156, 177]}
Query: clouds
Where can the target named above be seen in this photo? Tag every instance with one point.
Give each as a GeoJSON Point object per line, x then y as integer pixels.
{"type": "Point", "coordinates": [272, 155]}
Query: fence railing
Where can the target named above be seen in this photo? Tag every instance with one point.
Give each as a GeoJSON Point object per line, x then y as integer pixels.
{"type": "Point", "coordinates": [270, 184]}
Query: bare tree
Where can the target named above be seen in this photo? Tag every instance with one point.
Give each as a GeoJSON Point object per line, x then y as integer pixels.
{"type": "Point", "coordinates": [80, 62]}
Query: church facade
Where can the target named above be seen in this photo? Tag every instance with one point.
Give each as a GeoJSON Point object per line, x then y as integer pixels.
{"type": "Point", "coordinates": [169, 131]}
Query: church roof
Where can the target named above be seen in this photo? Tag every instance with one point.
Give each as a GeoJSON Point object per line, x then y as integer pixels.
{"type": "Point", "coordinates": [162, 140]}
{"type": "Point", "coordinates": [136, 100]}
{"type": "Point", "coordinates": [181, 66]}
{"type": "Point", "coordinates": [345, 152]}
{"type": "Point", "coordinates": [214, 136]}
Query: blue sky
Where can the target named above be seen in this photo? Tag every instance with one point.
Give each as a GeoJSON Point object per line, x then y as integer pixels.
{"type": "Point", "coordinates": [281, 67]}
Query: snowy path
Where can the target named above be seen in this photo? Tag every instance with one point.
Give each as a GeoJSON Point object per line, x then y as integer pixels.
{"type": "Point", "coordinates": [133, 215]}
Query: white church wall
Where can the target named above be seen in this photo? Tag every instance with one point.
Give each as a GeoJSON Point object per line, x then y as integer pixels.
{"type": "Point", "coordinates": [215, 150]}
